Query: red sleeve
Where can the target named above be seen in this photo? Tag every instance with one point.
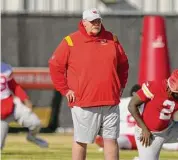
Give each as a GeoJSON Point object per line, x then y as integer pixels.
{"type": "Point", "coordinates": [146, 93]}
{"type": "Point", "coordinates": [17, 90]}
{"type": "Point", "coordinates": [57, 67]}
{"type": "Point", "coordinates": [123, 66]}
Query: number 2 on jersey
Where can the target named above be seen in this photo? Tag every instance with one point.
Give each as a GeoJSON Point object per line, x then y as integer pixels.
{"type": "Point", "coordinates": [3, 82]}
{"type": "Point", "coordinates": [166, 112]}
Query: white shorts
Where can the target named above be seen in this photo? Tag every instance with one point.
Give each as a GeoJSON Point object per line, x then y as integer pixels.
{"type": "Point", "coordinates": [93, 121]}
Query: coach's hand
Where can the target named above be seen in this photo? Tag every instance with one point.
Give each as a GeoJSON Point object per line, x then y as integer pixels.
{"type": "Point", "coordinates": [146, 137]}
{"type": "Point", "coordinates": [70, 96]}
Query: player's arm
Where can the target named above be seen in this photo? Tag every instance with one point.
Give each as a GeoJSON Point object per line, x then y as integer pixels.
{"type": "Point", "coordinates": [133, 109]}
{"type": "Point", "coordinates": [144, 95]}
{"type": "Point", "coordinates": [28, 103]}
{"type": "Point", "coordinates": [19, 92]}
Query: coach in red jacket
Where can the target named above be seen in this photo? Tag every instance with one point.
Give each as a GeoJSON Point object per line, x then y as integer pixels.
{"type": "Point", "coordinates": [90, 68]}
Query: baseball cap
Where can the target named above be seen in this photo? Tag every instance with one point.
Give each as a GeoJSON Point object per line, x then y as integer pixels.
{"type": "Point", "coordinates": [173, 81]}
{"type": "Point", "coordinates": [91, 14]}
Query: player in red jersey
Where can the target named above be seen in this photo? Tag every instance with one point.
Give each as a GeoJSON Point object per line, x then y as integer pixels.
{"type": "Point", "coordinates": [126, 139]}
{"type": "Point", "coordinates": [16, 106]}
{"type": "Point", "coordinates": [156, 125]}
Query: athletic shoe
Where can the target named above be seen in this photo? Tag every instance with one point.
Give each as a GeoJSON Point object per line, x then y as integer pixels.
{"type": "Point", "coordinates": [39, 142]}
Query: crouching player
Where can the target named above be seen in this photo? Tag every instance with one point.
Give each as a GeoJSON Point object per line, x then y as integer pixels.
{"type": "Point", "coordinates": [126, 139]}
{"type": "Point", "coordinates": [15, 106]}
{"type": "Point", "coordinates": [156, 125]}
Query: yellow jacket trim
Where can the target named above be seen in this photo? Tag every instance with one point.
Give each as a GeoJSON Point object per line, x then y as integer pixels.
{"type": "Point", "coordinates": [69, 41]}
{"type": "Point", "coordinates": [115, 38]}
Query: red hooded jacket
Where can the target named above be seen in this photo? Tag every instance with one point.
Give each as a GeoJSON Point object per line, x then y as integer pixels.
{"type": "Point", "coordinates": [95, 68]}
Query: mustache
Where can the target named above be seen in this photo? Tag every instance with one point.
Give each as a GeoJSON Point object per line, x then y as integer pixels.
{"type": "Point", "coordinates": [96, 27]}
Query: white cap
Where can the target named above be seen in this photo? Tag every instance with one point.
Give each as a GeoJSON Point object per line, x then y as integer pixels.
{"type": "Point", "coordinates": [91, 14]}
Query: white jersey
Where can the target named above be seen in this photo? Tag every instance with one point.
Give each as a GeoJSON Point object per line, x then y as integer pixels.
{"type": "Point", "coordinates": [6, 71]}
{"type": "Point", "coordinates": [127, 122]}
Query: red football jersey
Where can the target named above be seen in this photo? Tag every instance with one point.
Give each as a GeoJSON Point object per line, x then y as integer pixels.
{"type": "Point", "coordinates": [159, 107]}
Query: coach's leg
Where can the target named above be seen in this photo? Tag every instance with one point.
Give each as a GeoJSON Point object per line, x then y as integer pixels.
{"type": "Point", "coordinates": [111, 149]}
{"type": "Point", "coordinates": [4, 132]}
{"type": "Point", "coordinates": [26, 118]}
{"type": "Point", "coordinates": [86, 122]}
{"type": "Point", "coordinates": [110, 132]}
{"type": "Point", "coordinates": [79, 151]}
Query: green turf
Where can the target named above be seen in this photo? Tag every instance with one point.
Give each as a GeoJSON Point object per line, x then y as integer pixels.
{"type": "Point", "coordinates": [17, 148]}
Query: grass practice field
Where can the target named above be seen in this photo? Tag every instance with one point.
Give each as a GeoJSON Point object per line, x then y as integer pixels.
{"type": "Point", "coordinates": [17, 148]}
